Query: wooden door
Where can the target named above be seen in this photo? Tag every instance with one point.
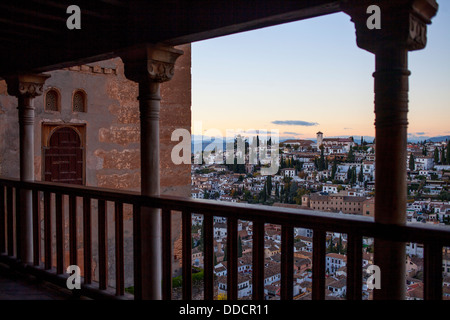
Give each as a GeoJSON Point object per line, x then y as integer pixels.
{"type": "Point", "coordinates": [64, 157]}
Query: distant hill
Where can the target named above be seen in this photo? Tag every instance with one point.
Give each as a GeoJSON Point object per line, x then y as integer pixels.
{"type": "Point", "coordinates": [439, 139]}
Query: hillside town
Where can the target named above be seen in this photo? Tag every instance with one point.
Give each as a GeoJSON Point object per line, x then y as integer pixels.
{"type": "Point", "coordinates": [334, 175]}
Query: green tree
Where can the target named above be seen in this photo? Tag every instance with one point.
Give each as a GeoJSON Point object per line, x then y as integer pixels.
{"type": "Point", "coordinates": [292, 192]}
{"type": "Point", "coordinates": [331, 248]}
{"type": "Point", "coordinates": [339, 247]}
{"type": "Point", "coordinates": [361, 175]}
{"type": "Point", "coordinates": [443, 161]}
{"type": "Point", "coordinates": [334, 169]}
{"type": "Point", "coordinates": [286, 192]}
{"type": "Point", "coordinates": [269, 185]}
{"type": "Point", "coordinates": [448, 152]}
{"type": "Point", "coordinates": [350, 155]}
{"type": "Point", "coordinates": [354, 176]}
{"type": "Point", "coordinates": [263, 194]}
{"type": "Point", "coordinates": [240, 247]}
{"type": "Point", "coordinates": [300, 192]}
{"type": "Point", "coordinates": [281, 193]}
{"type": "Point", "coordinates": [247, 195]}
{"type": "Point", "coordinates": [412, 160]}
{"type": "Point", "coordinates": [436, 155]}
{"type": "Point", "coordinates": [321, 163]}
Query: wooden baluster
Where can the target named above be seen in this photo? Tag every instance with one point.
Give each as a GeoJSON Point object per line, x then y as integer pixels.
{"type": "Point", "coordinates": [36, 227]}
{"type": "Point", "coordinates": [120, 283]}
{"type": "Point", "coordinates": [433, 271]}
{"type": "Point", "coordinates": [354, 267]}
{"type": "Point", "coordinates": [232, 259]}
{"type": "Point", "coordinates": [73, 229]}
{"type": "Point", "coordinates": [87, 240]}
{"type": "Point", "coordinates": [208, 245]}
{"type": "Point", "coordinates": [18, 228]}
{"type": "Point", "coordinates": [137, 263]}
{"type": "Point", "coordinates": [102, 245]}
{"type": "Point", "coordinates": [47, 231]}
{"type": "Point", "coordinates": [2, 220]}
{"type": "Point", "coordinates": [59, 221]}
{"type": "Point", "coordinates": [10, 220]}
{"type": "Point", "coordinates": [167, 254]}
{"type": "Point", "coordinates": [258, 261]}
{"type": "Point", "coordinates": [319, 252]}
{"type": "Point", "coordinates": [187, 255]}
{"type": "Point", "coordinates": [287, 262]}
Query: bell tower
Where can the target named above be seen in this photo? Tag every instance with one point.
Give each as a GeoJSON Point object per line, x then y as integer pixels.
{"type": "Point", "coordinates": [319, 139]}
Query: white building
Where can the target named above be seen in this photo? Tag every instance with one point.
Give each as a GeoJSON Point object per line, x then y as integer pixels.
{"type": "Point", "coordinates": [244, 285]}
{"type": "Point", "coordinates": [414, 249]}
{"type": "Point", "coordinates": [334, 261]}
{"type": "Point", "coordinates": [288, 172]}
{"type": "Point", "coordinates": [338, 288]}
{"type": "Point", "coordinates": [329, 144]}
{"type": "Point", "coordinates": [220, 230]}
{"type": "Point", "coordinates": [197, 193]}
{"type": "Point", "coordinates": [330, 188]}
{"type": "Point", "coordinates": [424, 163]}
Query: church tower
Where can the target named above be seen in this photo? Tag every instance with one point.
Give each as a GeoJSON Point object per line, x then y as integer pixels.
{"type": "Point", "coordinates": [319, 139]}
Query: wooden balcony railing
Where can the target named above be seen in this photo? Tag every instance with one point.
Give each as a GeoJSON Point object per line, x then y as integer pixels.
{"type": "Point", "coordinates": [434, 239]}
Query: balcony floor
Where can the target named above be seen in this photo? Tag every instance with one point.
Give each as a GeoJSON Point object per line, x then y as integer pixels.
{"type": "Point", "coordinates": [17, 286]}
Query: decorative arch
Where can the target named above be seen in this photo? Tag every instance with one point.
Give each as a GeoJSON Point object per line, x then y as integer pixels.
{"type": "Point", "coordinates": [79, 101]}
{"type": "Point", "coordinates": [64, 156]}
{"type": "Point", "coordinates": [52, 100]}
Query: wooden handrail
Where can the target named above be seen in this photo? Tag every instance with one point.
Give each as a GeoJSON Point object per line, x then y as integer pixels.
{"type": "Point", "coordinates": [356, 227]}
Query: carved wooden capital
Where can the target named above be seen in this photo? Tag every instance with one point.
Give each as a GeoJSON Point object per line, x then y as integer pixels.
{"type": "Point", "coordinates": [160, 71]}
{"type": "Point", "coordinates": [26, 85]}
{"type": "Point", "coordinates": [403, 23]}
{"type": "Point", "coordinates": [150, 63]}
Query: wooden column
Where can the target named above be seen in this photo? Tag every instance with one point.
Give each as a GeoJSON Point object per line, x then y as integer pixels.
{"type": "Point", "coordinates": [149, 66]}
{"type": "Point", "coordinates": [26, 87]}
{"type": "Point", "coordinates": [391, 108]}
{"type": "Point", "coordinates": [403, 29]}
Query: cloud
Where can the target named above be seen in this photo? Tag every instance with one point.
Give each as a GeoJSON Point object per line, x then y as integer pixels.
{"type": "Point", "coordinates": [295, 123]}
{"type": "Point", "coordinates": [347, 128]}
{"type": "Point", "coordinates": [420, 133]}
{"type": "Point", "coordinates": [292, 133]}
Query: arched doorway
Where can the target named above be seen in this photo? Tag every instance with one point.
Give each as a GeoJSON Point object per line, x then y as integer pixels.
{"type": "Point", "coordinates": [63, 157]}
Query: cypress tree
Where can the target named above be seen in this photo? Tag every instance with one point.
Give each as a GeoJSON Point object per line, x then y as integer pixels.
{"type": "Point", "coordinates": [448, 152]}
{"type": "Point", "coordinates": [269, 185]}
{"type": "Point", "coordinates": [436, 155]}
{"type": "Point", "coordinates": [361, 175]}
{"type": "Point", "coordinates": [321, 164]}
{"type": "Point", "coordinates": [334, 169]}
{"type": "Point", "coordinates": [443, 161]}
{"type": "Point", "coordinates": [350, 156]}
{"type": "Point", "coordinates": [412, 162]}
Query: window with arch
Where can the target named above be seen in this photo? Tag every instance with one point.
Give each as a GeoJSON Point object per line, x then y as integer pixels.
{"type": "Point", "coordinates": [52, 100]}
{"type": "Point", "coordinates": [79, 101]}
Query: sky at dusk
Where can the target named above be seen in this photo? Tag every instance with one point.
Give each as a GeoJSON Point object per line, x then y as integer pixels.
{"type": "Point", "coordinates": [309, 76]}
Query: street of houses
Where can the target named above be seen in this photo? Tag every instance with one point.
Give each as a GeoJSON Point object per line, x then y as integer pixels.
{"type": "Point", "coordinates": [336, 177]}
